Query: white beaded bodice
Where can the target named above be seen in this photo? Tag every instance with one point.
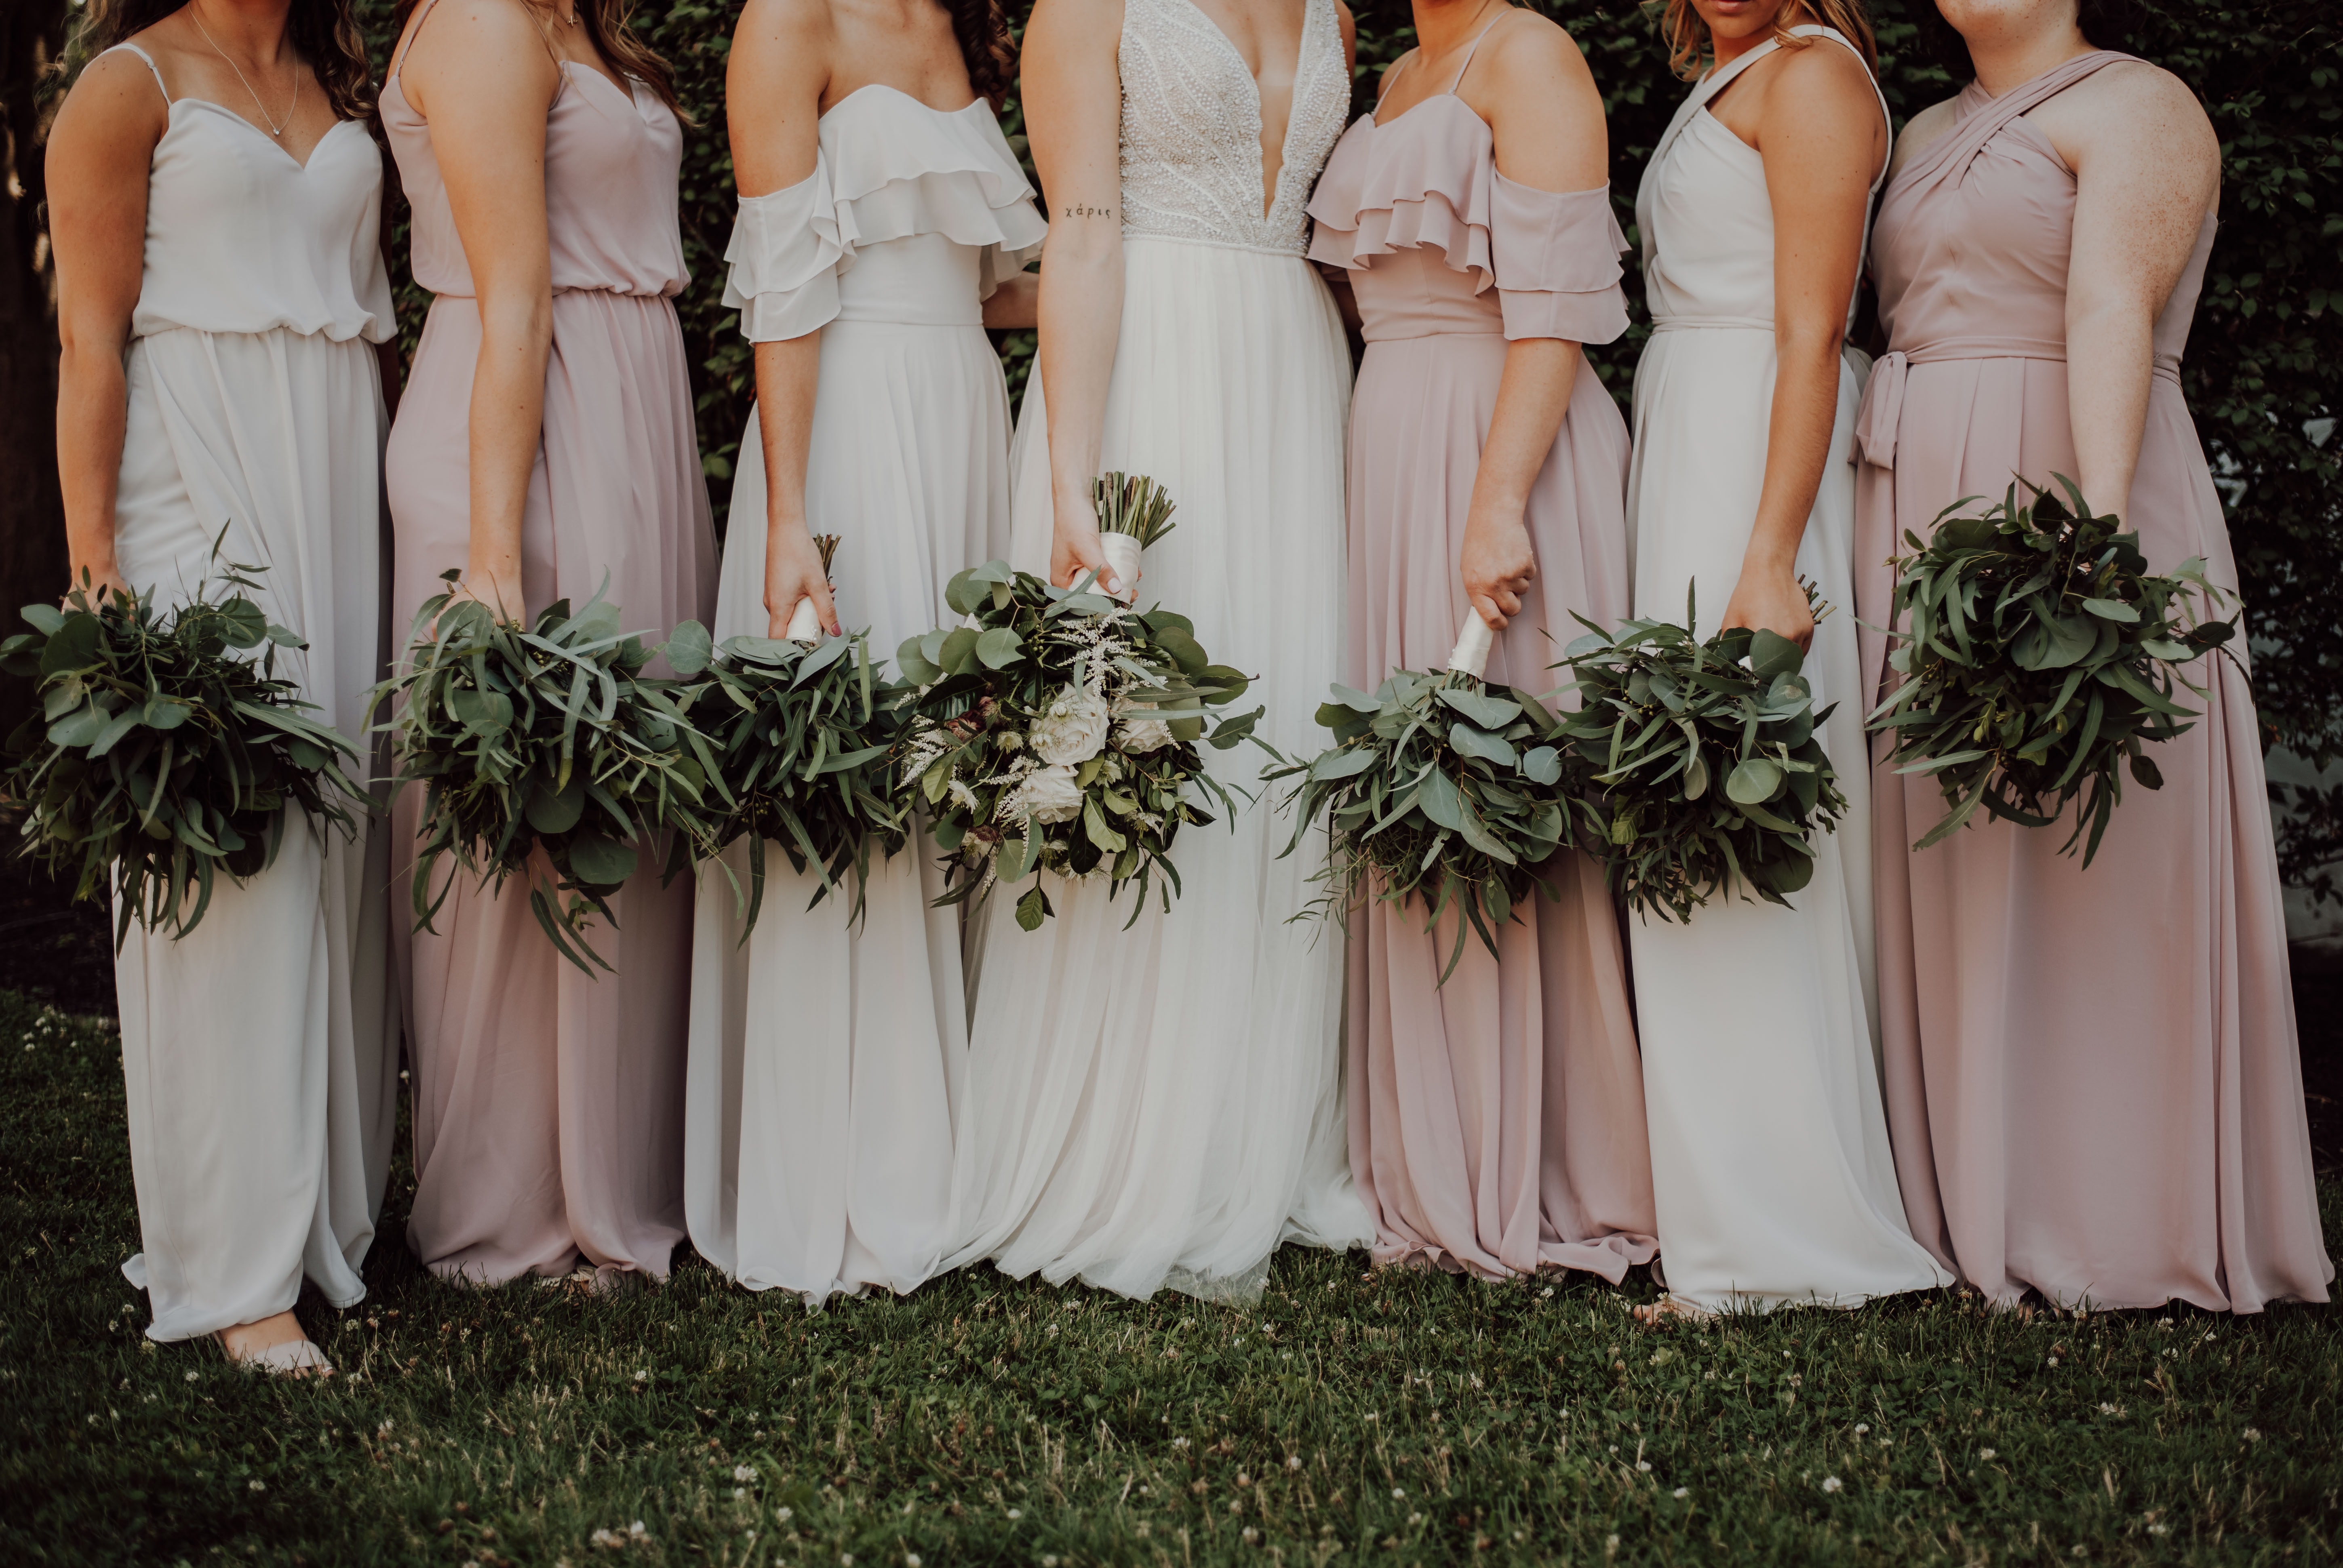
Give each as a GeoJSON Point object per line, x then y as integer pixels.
{"type": "Point", "coordinates": [1192, 129]}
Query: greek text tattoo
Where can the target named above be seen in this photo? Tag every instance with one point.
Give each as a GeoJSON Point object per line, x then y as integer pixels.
{"type": "Point", "coordinates": [1090, 212]}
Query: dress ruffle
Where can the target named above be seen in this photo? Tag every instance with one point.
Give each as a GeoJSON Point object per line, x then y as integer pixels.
{"type": "Point", "coordinates": [924, 172]}
{"type": "Point", "coordinates": [1553, 257]}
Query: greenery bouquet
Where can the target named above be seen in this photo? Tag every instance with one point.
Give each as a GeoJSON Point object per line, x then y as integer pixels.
{"type": "Point", "coordinates": [545, 736]}
{"type": "Point", "coordinates": [1438, 788]}
{"type": "Point", "coordinates": [1055, 729]}
{"type": "Point", "coordinates": [2037, 655]}
{"type": "Point", "coordinates": [801, 729]}
{"type": "Point", "coordinates": [160, 757]}
{"type": "Point", "coordinates": [1695, 765]}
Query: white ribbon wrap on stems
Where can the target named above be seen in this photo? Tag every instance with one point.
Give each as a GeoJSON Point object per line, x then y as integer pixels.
{"type": "Point", "coordinates": [1470, 654]}
{"type": "Point", "coordinates": [804, 623]}
{"type": "Point", "coordinates": [1122, 552]}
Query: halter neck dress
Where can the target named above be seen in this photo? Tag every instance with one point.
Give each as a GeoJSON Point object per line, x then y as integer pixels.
{"type": "Point", "coordinates": [549, 1104]}
{"type": "Point", "coordinates": [1161, 1104]}
{"type": "Point", "coordinates": [827, 1058]}
{"type": "Point", "coordinates": [1497, 1121]}
{"type": "Point", "coordinates": [2092, 1076]}
{"type": "Point", "coordinates": [259, 1051]}
{"type": "Point", "coordinates": [1770, 1162]}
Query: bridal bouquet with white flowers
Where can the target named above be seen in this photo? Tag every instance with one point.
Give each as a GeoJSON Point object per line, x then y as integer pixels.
{"type": "Point", "coordinates": [1056, 729]}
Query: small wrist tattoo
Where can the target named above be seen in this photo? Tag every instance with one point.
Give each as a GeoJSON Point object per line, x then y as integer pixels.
{"type": "Point", "coordinates": [1090, 212]}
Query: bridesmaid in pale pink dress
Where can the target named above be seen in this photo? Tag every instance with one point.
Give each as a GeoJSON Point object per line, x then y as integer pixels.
{"type": "Point", "coordinates": [2092, 1075]}
{"type": "Point", "coordinates": [547, 442]}
{"type": "Point", "coordinates": [1496, 1122]}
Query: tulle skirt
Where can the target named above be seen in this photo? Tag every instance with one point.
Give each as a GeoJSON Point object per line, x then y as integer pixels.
{"type": "Point", "coordinates": [1162, 1105]}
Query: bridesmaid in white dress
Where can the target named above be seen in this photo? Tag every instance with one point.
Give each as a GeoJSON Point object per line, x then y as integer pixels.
{"type": "Point", "coordinates": [221, 295]}
{"type": "Point", "coordinates": [1161, 1105]}
{"type": "Point", "coordinates": [1772, 1174]}
{"type": "Point", "coordinates": [884, 223]}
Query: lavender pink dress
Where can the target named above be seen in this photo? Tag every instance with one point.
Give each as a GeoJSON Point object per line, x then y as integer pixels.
{"type": "Point", "coordinates": [2092, 1076]}
{"type": "Point", "coordinates": [548, 1105]}
{"type": "Point", "coordinates": [1497, 1123]}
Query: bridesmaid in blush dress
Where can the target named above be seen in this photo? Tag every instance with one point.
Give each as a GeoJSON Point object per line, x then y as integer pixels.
{"type": "Point", "coordinates": [546, 446]}
{"type": "Point", "coordinates": [1774, 1182]}
{"type": "Point", "coordinates": [884, 223]}
{"type": "Point", "coordinates": [1496, 1122]}
{"type": "Point", "coordinates": [2092, 1075]}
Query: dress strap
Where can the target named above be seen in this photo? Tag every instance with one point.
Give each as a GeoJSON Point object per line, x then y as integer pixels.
{"type": "Point", "coordinates": [1458, 79]}
{"type": "Point", "coordinates": [1954, 149]}
{"type": "Point", "coordinates": [135, 49]}
{"type": "Point", "coordinates": [412, 33]}
{"type": "Point", "coordinates": [1708, 88]}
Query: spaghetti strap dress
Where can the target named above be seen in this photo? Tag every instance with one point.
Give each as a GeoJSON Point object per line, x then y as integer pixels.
{"type": "Point", "coordinates": [1496, 1122]}
{"type": "Point", "coordinates": [548, 1103]}
{"type": "Point", "coordinates": [826, 1058]}
{"type": "Point", "coordinates": [2093, 1076]}
{"type": "Point", "coordinates": [259, 1050]}
{"type": "Point", "coordinates": [1770, 1160]}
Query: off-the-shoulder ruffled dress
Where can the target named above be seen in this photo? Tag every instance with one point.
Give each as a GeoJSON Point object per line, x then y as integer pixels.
{"type": "Point", "coordinates": [1497, 1123]}
{"type": "Point", "coordinates": [826, 1060]}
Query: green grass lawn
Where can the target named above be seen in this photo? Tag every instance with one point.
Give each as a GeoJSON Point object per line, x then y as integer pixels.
{"type": "Point", "coordinates": [1402, 1418]}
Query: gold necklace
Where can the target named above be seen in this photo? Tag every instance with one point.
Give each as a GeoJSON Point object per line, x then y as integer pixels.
{"type": "Point", "coordinates": [274, 129]}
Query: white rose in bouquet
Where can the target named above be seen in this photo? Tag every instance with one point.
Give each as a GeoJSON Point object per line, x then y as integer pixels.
{"type": "Point", "coordinates": [1140, 736]}
{"type": "Point", "coordinates": [1073, 728]}
{"type": "Point", "coordinates": [1051, 794]}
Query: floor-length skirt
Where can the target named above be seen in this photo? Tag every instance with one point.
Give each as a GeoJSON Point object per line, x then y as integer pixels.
{"type": "Point", "coordinates": [1496, 1122]}
{"type": "Point", "coordinates": [548, 1103]}
{"type": "Point", "coordinates": [1770, 1160]}
{"type": "Point", "coordinates": [258, 1051]}
{"type": "Point", "coordinates": [2092, 1075]}
{"type": "Point", "coordinates": [826, 1058]}
{"type": "Point", "coordinates": [1161, 1105]}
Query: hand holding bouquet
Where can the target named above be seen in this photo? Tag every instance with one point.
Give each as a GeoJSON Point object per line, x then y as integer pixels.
{"type": "Point", "coordinates": [543, 737]}
{"type": "Point", "coordinates": [2037, 655]}
{"type": "Point", "coordinates": [159, 757]}
{"type": "Point", "coordinates": [1133, 513]}
{"type": "Point", "coordinates": [1696, 765]}
{"type": "Point", "coordinates": [1055, 731]}
{"type": "Point", "coordinates": [1438, 788]}
{"type": "Point", "coordinates": [802, 731]}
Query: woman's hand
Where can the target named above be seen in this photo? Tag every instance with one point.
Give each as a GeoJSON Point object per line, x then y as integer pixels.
{"type": "Point", "coordinates": [101, 582]}
{"type": "Point", "coordinates": [1770, 598]}
{"type": "Point", "coordinates": [793, 572]}
{"type": "Point", "coordinates": [1075, 549]}
{"type": "Point", "coordinates": [1497, 563]}
{"type": "Point", "coordinates": [493, 580]}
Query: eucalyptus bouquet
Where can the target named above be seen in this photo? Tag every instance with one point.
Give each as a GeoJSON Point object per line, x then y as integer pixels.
{"type": "Point", "coordinates": [2037, 655]}
{"type": "Point", "coordinates": [1695, 764]}
{"type": "Point", "coordinates": [801, 729]}
{"type": "Point", "coordinates": [160, 758]}
{"type": "Point", "coordinates": [1439, 787]}
{"type": "Point", "coordinates": [1133, 513]}
{"type": "Point", "coordinates": [1055, 731]}
{"type": "Point", "coordinates": [549, 737]}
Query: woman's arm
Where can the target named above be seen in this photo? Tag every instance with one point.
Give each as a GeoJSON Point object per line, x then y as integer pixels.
{"type": "Point", "coordinates": [99, 155]}
{"type": "Point", "coordinates": [2147, 169]}
{"type": "Point", "coordinates": [1015, 304]}
{"type": "Point", "coordinates": [773, 92]}
{"type": "Point", "coordinates": [1820, 133]}
{"type": "Point", "coordinates": [482, 76]}
{"type": "Point", "coordinates": [1541, 106]}
{"type": "Point", "coordinates": [1073, 116]}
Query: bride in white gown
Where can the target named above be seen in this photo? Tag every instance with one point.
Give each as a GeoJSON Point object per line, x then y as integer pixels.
{"type": "Point", "coordinates": [1162, 1105]}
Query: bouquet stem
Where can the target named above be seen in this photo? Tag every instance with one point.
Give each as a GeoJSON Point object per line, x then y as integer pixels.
{"type": "Point", "coordinates": [1474, 641]}
{"type": "Point", "coordinates": [1123, 556]}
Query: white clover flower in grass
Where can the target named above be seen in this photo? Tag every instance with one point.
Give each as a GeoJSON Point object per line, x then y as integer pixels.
{"type": "Point", "coordinates": [2252, 1435]}
{"type": "Point", "coordinates": [1049, 795]}
{"type": "Point", "coordinates": [738, 1492]}
{"type": "Point", "coordinates": [781, 1515]}
{"type": "Point", "coordinates": [1862, 1427]}
{"type": "Point", "coordinates": [256, 1485]}
{"type": "Point", "coordinates": [1399, 1491]}
{"type": "Point", "coordinates": [911, 1559]}
{"type": "Point", "coordinates": [1987, 1454]}
{"type": "Point", "coordinates": [1293, 1462]}
{"type": "Point", "coordinates": [191, 1377]}
{"type": "Point", "coordinates": [744, 1472]}
{"type": "Point", "coordinates": [1016, 1513]}
{"type": "Point", "coordinates": [1073, 728]}
{"type": "Point", "coordinates": [1833, 1483]}
{"type": "Point", "coordinates": [1684, 1492]}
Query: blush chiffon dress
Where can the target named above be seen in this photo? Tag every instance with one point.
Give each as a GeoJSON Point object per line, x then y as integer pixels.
{"type": "Point", "coordinates": [548, 1103]}
{"type": "Point", "coordinates": [1770, 1160]}
{"type": "Point", "coordinates": [1496, 1123]}
{"type": "Point", "coordinates": [259, 1051]}
{"type": "Point", "coordinates": [826, 1058]}
{"type": "Point", "coordinates": [2092, 1075]}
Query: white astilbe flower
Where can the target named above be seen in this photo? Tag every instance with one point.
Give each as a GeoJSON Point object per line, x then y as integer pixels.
{"type": "Point", "coordinates": [1073, 728]}
{"type": "Point", "coordinates": [1049, 795]}
{"type": "Point", "coordinates": [962, 795]}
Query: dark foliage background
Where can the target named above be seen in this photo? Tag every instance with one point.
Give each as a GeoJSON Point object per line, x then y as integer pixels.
{"type": "Point", "coordinates": [2262, 369]}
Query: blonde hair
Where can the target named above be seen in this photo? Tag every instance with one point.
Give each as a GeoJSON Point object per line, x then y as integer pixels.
{"type": "Point", "coordinates": [1687, 34]}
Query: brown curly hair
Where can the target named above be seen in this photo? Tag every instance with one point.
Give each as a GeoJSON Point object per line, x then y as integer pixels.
{"type": "Point", "coordinates": [323, 32]}
{"type": "Point", "coordinates": [609, 24]}
{"type": "Point", "coordinates": [986, 46]}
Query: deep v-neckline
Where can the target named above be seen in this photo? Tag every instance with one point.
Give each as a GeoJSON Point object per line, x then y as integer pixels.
{"type": "Point", "coordinates": [283, 151]}
{"type": "Point", "coordinates": [1271, 193]}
